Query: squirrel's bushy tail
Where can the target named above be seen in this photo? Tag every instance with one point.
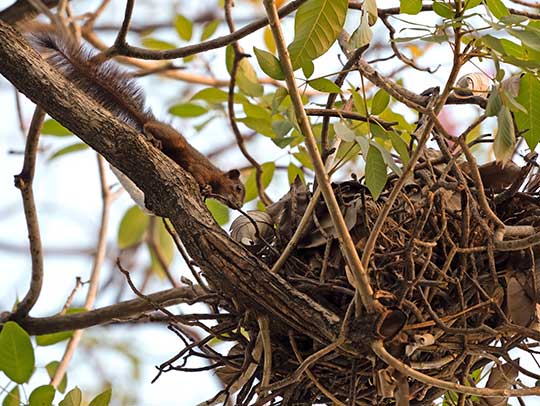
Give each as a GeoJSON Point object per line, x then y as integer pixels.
{"type": "Point", "coordinates": [105, 82]}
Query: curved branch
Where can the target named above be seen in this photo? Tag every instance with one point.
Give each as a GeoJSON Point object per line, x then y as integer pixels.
{"type": "Point", "coordinates": [220, 42]}
{"type": "Point", "coordinates": [23, 181]}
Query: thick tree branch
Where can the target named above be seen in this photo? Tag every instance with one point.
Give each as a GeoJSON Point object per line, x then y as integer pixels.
{"type": "Point", "coordinates": [169, 191]}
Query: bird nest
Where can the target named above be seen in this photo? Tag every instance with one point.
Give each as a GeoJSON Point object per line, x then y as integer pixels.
{"type": "Point", "coordinates": [459, 292]}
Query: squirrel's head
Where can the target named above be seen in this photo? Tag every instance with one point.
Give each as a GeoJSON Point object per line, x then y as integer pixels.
{"type": "Point", "coordinates": [230, 190]}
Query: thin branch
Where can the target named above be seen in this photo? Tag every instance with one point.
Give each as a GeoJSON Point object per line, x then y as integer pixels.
{"type": "Point", "coordinates": [363, 286]}
{"type": "Point", "coordinates": [23, 181]}
{"type": "Point", "coordinates": [387, 125]}
{"type": "Point", "coordinates": [220, 42]}
{"type": "Point", "coordinates": [99, 258]}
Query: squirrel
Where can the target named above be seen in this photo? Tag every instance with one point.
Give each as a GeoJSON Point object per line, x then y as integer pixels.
{"type": "Point", "coordinates": [115, 90]}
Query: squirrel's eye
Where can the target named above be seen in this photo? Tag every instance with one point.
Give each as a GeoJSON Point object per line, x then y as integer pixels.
{"type": "Point", "coordinates": [238, 188]}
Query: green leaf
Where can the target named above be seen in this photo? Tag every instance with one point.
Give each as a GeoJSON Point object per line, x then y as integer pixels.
{"type": "Point", "coordinates": [53, 127]}
{"type": "Point", "coordinates": [410, 6]}
{"type": "Point", "coordinates": [380, 102]}
{"type": "Point", "coordinates": [281, 127]}
{"type": "Point", "coordinates": [303, 157]}
{"type": "Point", "coordinates": [246, 79]}
{"type": "Point", "coordinates": [269, 64]}
{"type": "Point", "coordinates": [51, 368]}
{"type": "Point", "coordinates": [132, 227]}
{"type": "Point", "coordinates": [363, 35]}
{"type": "Point", "coordinates": [324, 85]}
{"type": "Point", "coordinates": [268, 169]}
{"type": "Point", "coordinates": [166, 248]}
{"type": "Point", "coordinates": [529, 97]}
{"type": "Point", "coordinates": [213, 95]}
{"type": "Point", "coordinates": [187, 110]}
{"type": "Point", "coordinates": [79, 146]}
{"type": "Point", "coordinates": [103, 399]}
{"type": "Point", "coordinates": [443, 9]}
{"type": "Point", "coordinates": [497, 8]}
{"type": "Point", "coordinates": [316, 26]}
{"type": "Point", "coordinates": [308, 68]}
{"type": "Point", "coordinates": [209, 29]}
{"type": "Point", "coordinates": [157, 44]}
{"type": "Point", "coordinates": [219, 211]}
{"type": "Point", "coordinates": [13, 398]}
{"type": "Point", "coordinates": [53, 338]}
{"type": "Point", "coordinates": [343, 132]}
{"type": "Point", "coordinates": [16, 353]}
{"type": "Point", "coordinates": [505, 138]}
{"type": "Point", "coordinates": [293, 171]}
{"type": "Point", "coordinates": [183, 26]}
{"type": "Point", "coordinates": [528, 37]}
{"type": "Point", "coordinates": [73, 398]}
{"type": "Point", "coordinates": [375, 172]}
{"type": "Point", "coordinates": [399, 145]}
{"type": "Point", "coordinates": [370, 7]}
{"type": "Point", "coordinates": [494, 102]}
{"type": "Point", "coordinates": [472, 4]}
{"type": "Point", "coordinates": [277, 100]}
{"type": "Point", "coordinates": [260, 125]}
{"type": "Point", "coordinates": [42, 396]}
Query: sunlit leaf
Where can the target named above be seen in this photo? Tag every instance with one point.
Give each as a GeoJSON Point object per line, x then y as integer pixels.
{"type": "Point", "coordinates": [343, 132]}
{"type": "Point", "coordinates": [219, 211]}
{"type": "Point", "coordinates": [268, 169]}
{"type": "Point", "coordinates": [375, 172]}
{"type": "Point", "coordinates": [303, 157]}
{"type": "Point", "coordinates": [410, 6]}
{"type": "Point", "coordinates": [380, 102]}
{"type": "Point", "coordinates": [16, 353]}
{"type": "Point", "coordinates": [529, 98]}
{"type": "Point", "coordinates": [497, 8]}
{"type": "Point", "coordinates": [269, 40]}
{"type": "Point", "coordinates": [505, 138]}
{"type": "Point", "coordinates": [73, 398]}
{"type": "Point", "coordinates": [494, 103]}
{"type": "Point", "coordinates": [13, 398]}
{"type": "Point", "coordinates": [183, 26]}
{"type": "Point", "coordinates": [53, 127]}
{"type": "Point", "coordinates": [363, 35]}
{"type": "Point", "coordinates": [157, 44]}
{"type": "Point", "coordinates": [443, 9]}
{"type": "Point", "coordinates": [187, 110]}
{"type": "Point", "coordinates": [316, 26]}
{"type": "Point", "coordinates": [324, 85]}
{"type": "Point", "coordinates": [132, 227]}
{"type": "Point", "coordinates": [53, 338]}
{"type": "Point", "coordinates": [293, 171]}
{"type": "Point", "coordinates": [399, 145]}
{"type": "Point", "coordinates": [51, 368]}
{"type": "Point", "coordinates": [79, 146]}
{"type": "Point", "coordinates": [246, 79]}
{"type": "Point", "coordinates": [269, 64]}
{"type": "Point", "coordinates": [103, 399]}
{"type": "Point", "coordinates": [209, 29]}
{"type": "Point", "coordinates": [42, 396]}
{"type": "Point", "coordinates": [472, 3]}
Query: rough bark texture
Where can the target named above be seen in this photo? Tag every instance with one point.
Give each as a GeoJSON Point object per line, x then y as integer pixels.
{"type": "Point", "coordinates": [22, 10]}
{"type": "Point", "coordinates": [169, 190]}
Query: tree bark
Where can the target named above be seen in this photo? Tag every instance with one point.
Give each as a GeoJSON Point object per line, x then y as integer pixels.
{"type": "Point", "coordinates": [169, 191]}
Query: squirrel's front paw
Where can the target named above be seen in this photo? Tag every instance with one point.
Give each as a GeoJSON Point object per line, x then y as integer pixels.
{"type": "Point", "coordinates": [153, 140]}
{"type": "Point", "coordinates": [206, 191]}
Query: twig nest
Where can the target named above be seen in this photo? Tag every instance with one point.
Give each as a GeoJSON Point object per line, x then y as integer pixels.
{"type": "Point", "coordinates": [252, 231]}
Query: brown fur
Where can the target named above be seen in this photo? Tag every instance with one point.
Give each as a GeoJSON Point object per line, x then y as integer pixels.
{"type": "Point", "coordinates": [114, 89]}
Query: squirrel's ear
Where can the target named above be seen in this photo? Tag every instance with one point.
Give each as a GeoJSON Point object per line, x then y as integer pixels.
{"type": "Point", "coordinates": [233, 174]}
